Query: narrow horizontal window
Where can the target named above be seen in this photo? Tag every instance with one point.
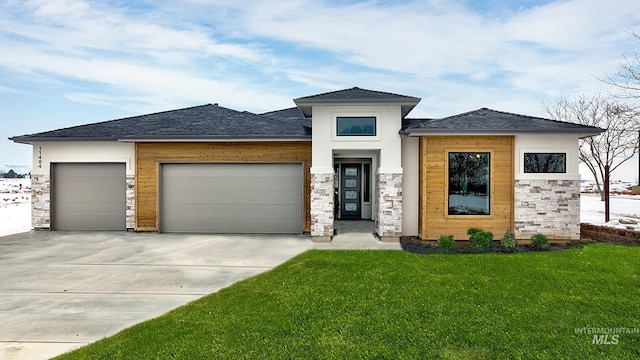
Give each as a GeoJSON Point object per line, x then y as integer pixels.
{"type": "Point", "coordinates": [356, 126]}
{"type": "Point", "coordinates": [545, 163]}
{"type": "Point", "coordinates": [469, 183]}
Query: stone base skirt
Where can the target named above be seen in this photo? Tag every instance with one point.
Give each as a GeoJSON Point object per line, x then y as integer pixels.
{"type": "Point", "coordinates": [548, 207]}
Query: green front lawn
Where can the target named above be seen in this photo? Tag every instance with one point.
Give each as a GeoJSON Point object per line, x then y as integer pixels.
{"type": "Point", "coordinates": [397, 305]}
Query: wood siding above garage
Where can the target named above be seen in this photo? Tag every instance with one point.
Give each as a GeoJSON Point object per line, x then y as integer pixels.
{"type": "Point", "coordinates": [149, 157]}
{"type": "Point", "coordinates": [433, 217]}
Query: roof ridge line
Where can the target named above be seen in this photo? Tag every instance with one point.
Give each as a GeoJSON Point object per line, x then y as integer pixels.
{"type": "Point", "coordinates": [128, 117]}
{"type": "Point", "coordinates": [355, 88]}
{"type": "Point", "coordinates": [161, 112]}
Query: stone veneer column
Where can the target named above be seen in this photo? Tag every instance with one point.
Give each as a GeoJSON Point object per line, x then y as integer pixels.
{"type": "Point", "coordinates": [322, 198]}
{"type": "Point", "coordinates": [549, 207]}
{"type": "Point", "coordinates": [130, 202]}
{"type": "Point", "coordinates": [41, 202]}
{"type": "Point", "coordinates": [389, 207]}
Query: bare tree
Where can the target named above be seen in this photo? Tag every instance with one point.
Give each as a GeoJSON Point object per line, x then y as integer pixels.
{"type": "Point", "coordinates": [627, 78]}
{"type": "Point", "coordinates": [613, 147]}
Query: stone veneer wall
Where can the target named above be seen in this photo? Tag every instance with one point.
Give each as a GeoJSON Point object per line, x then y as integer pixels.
{"type": "Point", "coordinates": [41, 202]}
{"type": "Point", "coordinates": [549, 207]}
{"type": "Point", "coordinates": [389, 207]}
{"type": "Point", "coordinates": [322, 198]}
{"type": "Point", "coordinates": [130, 202]}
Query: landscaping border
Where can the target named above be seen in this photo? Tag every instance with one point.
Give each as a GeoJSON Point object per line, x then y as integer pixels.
{"type": "Point", "coordinates": [609, 234]}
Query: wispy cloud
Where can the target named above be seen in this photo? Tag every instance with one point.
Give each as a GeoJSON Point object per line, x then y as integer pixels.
{"type": "Point", "coordinates": [74, 41]}
{"type": "Point", "coordinates": [258, 55]}
{"type": "Point", "coordinates": [81, 27]}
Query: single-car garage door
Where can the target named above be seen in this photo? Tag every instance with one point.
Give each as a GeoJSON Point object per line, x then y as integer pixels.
{"type": "Point", "coordinates": [231, 198]}
{"type": "Point", "coordinates": [88, 196]}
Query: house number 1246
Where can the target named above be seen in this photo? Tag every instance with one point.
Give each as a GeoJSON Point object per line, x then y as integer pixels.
{"type": "Point", "coordinates": [40, 157]}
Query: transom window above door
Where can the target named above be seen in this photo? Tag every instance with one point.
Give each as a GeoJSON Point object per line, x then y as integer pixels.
{"type": "Point", "coordinates": [356, 126]}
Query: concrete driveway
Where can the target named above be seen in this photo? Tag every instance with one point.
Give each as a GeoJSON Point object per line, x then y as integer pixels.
{"type": "Point", "coordinates": [61, 290]}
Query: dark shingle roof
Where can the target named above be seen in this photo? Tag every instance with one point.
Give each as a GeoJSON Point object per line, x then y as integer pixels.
{"type": "Point", "coordinates": [491, 121]}
{"type": "Point", "coordinates": [356, 95]}
{"type": "Point", "coordinates": [217, 122]}
{"type": "Point", "coordinates": [288, 113]}
{"type": "Point", "coordinates": [198, 122]}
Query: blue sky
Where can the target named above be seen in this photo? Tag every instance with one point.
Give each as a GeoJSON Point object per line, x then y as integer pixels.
{"type": "Point", "coordinates": [70, 62]}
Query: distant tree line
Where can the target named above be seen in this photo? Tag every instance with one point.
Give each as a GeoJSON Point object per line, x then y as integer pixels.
{"type": "Point", "coordinates": [12, 175]}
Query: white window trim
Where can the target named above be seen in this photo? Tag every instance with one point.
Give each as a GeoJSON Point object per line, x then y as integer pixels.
{"type": "Point", "coordinates": [566, 159]}
{"type": "Point", "coordinates": [355, 138]}
{"type": "Point", "coordinates": [568, 175]}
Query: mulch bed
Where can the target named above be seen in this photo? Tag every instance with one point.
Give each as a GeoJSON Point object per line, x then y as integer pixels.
{"type": "Point", "coordinates": [417, 246]}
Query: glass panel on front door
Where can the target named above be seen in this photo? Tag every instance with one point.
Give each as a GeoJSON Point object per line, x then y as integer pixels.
{"type": "Point", "coordinates": [350, 191]}
{"type": "Point", "coordinates": [350, 195]}
{"type": "Point", "coordinates": [350, 183]}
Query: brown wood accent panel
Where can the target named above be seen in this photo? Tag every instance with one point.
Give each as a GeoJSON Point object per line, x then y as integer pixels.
{"type": "Point", "coordinates": [149, 156]}
{"type": "Point", "coordinates": [433, 217]}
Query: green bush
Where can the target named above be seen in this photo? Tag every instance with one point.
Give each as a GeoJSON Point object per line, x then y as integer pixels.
{"type": "Point", "coordinates": [446, 243]}
{"type": "Point", "coordinates": [539, 241]}
{"type": "Point", "coordinates": [480, 239]}
{"type": "Point", "coordinates": [472, 231]}
{"type": "Point", "coordinates": [509, 241]}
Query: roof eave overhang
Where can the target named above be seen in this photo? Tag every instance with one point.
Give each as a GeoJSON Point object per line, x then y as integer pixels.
{"type": "Point", "coordinates": [30, 140]}
{"type": "Point", "coordinates": [306, 105]}
{"type": "Point", "coordinates": [425, 132]}
{"type": "Point", "coordinates": [215, 138]}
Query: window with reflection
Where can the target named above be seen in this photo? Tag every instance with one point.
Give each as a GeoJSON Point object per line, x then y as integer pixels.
{"type": "Point", "coordinates": [356, 126]}
{"type": "Point", "coordinates": [545, 163]}
{"type": "Point", "coordinates": [469, 183]}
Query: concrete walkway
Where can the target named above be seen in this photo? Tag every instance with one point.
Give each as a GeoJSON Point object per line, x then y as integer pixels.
{"type": "Point", "coordinates": [356, 235]}
{"type": "Point", "coordinates": [62, 290]}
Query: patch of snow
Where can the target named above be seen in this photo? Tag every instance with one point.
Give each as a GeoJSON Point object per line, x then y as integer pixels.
{"type": "Point", "coordinates": [15, 206]}
{"type": "Point", "coordinates": [620, 207]}
{"type": "Point", "coordinates": [617, 186]}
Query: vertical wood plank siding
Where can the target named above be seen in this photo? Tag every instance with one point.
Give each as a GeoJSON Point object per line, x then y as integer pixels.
{"type": "Point", "coordinates": [433, 217]}
{"type": "Point", "coordinates": [149, 156]}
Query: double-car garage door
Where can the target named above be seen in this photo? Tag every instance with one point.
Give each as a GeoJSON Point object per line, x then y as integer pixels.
{"type": "Point", "coordinates": [231, 198]}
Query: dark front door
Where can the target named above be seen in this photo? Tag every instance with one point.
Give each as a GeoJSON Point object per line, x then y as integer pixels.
{"type": "Point", "coordinates": [350, 191]}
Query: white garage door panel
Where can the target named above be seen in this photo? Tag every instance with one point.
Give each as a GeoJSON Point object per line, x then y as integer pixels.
{"type": "Point", "coordinates": [88, 196]}
{"type": "Point", "coordinates": [232, 198]}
